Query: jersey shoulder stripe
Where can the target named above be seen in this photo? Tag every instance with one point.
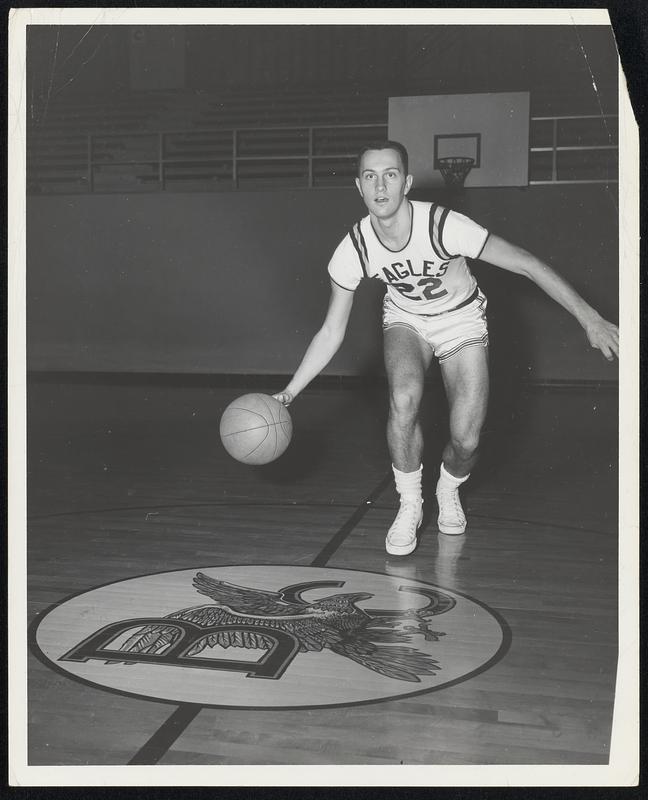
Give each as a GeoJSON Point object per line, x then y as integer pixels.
{"type": "Point", "coordinates": [358, 240]}
{"type": "Point", "coordinates": [442, 222]}
{"type": "Point", "coordinates": [437, 220]}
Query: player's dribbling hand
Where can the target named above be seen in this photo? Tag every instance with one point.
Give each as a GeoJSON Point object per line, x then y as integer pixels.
{"type": "Point", "coordinates": [284, 397]}
{"type": "Point", "coordinates": [604, 336]}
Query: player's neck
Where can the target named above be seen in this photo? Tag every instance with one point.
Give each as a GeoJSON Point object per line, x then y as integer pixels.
{"type": "Point", "coordinates": [395, 231]}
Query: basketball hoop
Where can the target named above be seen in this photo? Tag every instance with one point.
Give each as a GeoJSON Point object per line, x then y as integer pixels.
{"type": "Point", "coordinates": [455, 169]}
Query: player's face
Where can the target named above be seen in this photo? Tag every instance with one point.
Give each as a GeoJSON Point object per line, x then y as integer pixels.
{"type": "Point", "coordinates": [382, 182]}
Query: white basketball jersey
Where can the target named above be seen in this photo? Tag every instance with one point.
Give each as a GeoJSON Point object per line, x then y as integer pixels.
{"type": "Point", "coordinates": [429, 275]}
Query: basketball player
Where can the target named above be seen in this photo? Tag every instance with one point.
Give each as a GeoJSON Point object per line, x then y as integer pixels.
{"type": "Point", "coordinates": [432, 308]}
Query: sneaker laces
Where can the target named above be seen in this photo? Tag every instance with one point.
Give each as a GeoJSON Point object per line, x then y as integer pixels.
{"type": "Point", "coordinates": [406, 523]}
{"type": "Point", "coordinates": [449, 502]}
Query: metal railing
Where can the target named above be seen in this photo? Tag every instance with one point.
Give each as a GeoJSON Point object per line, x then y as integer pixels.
{"type": "Point", "coordinates": [300, 156]}
{"type": "Point", "coordinates": [606, 131]}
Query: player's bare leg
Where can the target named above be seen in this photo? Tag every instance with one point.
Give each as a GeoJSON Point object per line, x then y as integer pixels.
{"type": "Point", "coordinates": [407, 358]}
{"type": "Point", "coordinates": [465, 377]}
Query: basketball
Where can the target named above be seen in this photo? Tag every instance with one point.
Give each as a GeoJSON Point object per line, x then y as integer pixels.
{"type": "Point", "coordinates": [255, 429]}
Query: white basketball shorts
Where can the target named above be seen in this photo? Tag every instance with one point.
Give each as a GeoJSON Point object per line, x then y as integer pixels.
{"type": "Point", "coordinates": [446, 333]}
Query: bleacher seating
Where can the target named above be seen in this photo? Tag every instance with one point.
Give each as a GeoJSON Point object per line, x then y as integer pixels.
{"type": "Point", "coordinates": [105, 144]}
{"type": "Point", "coordinates": [203, 141]}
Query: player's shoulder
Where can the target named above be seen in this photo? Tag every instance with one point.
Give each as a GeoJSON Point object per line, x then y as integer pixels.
{"type": "Point", "coordinates": [428, 212]}
{"type": "Point", "coordinates": [357, 230]}
{"type": "Point", "coordinates": [346, 244]}
{"type": "Point", "coordinates": [425, 206]}
{"type": "Point", "coordinates": [442, 215]}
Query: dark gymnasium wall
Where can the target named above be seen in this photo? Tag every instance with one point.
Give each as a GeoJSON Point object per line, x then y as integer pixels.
{"type": "Point", "coordinates": [236, 282]}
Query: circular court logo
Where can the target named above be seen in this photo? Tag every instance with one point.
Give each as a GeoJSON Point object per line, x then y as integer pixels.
{"type": "Point", "coordinates": [270, 636]}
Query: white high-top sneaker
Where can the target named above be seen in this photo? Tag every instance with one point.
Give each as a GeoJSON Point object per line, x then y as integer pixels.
{"type": "Point", "coordinates": [452, 519]}
{"type": "Point", "coordinates": [401, 538]}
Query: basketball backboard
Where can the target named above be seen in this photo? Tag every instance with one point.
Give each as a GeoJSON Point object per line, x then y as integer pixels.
{"type": "Point", "coordinates": [491, 128]}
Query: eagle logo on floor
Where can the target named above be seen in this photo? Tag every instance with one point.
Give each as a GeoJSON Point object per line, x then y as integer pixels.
{"type": "Point", "coordinates": [241, 616]}
{"type": "Point", "coordinates": [270, 636]}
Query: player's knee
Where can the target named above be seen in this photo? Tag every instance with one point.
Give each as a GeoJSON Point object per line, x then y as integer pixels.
{"type": "Point", "coordinates": [466, 444]}
{"type": "Point", "coordinates": [403, 403]}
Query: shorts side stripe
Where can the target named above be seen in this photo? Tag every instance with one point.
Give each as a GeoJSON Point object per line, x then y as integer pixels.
{"type": "Point", "coordinates": [482, 340]}
{"type": "Point", "coordinates": [398, 324]}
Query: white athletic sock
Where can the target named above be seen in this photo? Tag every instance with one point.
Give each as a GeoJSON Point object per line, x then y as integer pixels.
{"type": "Point", "coordinates": [408, 484]}
{"type": "Point", "coordinates": [446, 476]}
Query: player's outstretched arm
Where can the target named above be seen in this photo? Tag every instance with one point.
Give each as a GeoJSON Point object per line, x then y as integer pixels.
{"type": "Point", "coordinates": [601, 334]}
{"type": "Point", "coordinates": [324, 345]}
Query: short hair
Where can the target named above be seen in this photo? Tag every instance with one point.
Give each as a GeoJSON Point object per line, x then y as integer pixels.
{"type": "Point", "coordinates": [385, 144]}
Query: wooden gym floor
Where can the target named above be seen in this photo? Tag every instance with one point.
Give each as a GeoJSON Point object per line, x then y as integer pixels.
{"type": "Point", "coordinates": [127, 477]}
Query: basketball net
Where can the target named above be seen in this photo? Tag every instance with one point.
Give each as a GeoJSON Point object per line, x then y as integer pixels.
{"type": "Point", "coordinates": [454, 170]}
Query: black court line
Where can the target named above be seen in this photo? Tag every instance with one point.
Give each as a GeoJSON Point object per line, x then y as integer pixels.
{"type": "Point", "coordinates": [326, 553]}
{"type": "Point", "coordinates": [165, 736]}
